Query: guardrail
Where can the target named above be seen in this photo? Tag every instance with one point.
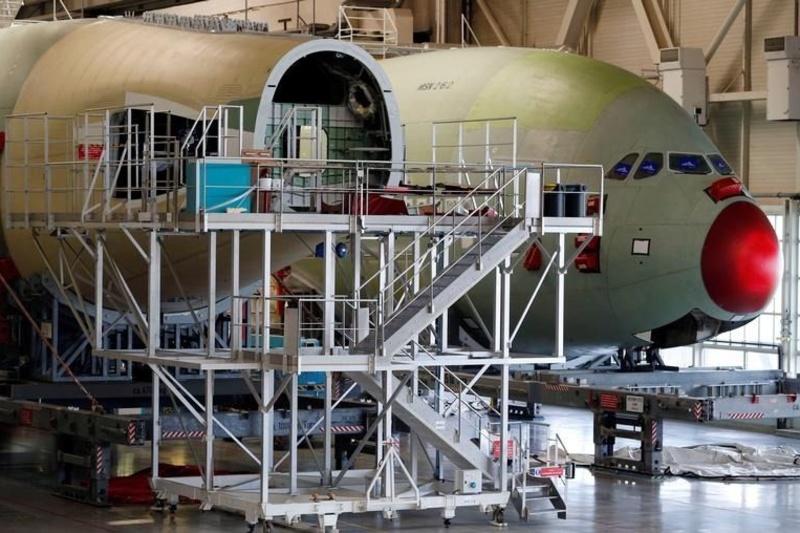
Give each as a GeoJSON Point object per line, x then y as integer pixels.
{"type": "Point", "coordinates": [116, 166]}
{"type": "Point", "coordinates": [372, 24]}
{"type": "Point", "coordinates": [304, 328]}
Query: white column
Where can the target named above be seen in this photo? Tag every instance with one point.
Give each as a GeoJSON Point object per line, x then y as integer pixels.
{"type": "Point", "coordinates": [789, 329]}
{"type": "Point", "coordinates": [209, 484]}
{"type": "Point", "coordinates": [388, 389]}
{"type": "Point", "coordinates": [442, 330]}
{"type": "Point", "coordinates": [236, 302]}
{"type": "Point", "coordinates": [156, 442]}
{"type": "Point", "coordinates": [98, 293]}
{"type": "Point", "coordinates": [329, 320]}
{"type": "Point", "coordinates": [153, 296]}
{"type": "Point", "coordinates": [212, 292]}
{"type": "Point", "coordinates": [267, 376]}
{"type": "Point", "coordinates": [560, 273]}
{"type": "Point", "coordinates": [329, 292]}
{"type": "Point", "coordinates": [390, 281]}
{"type": "Point", "coordinates": [697, 355]}
{"type": "Point", "coordinates": [355, 255]}
{"type": "Point", "coordinates": [267, 391]}
{"type": "Point", "coordinates": [504, 386]}
{"type": "Point", "coordinates": [414, 351]}
{"type": "Point", "coordinates": [293, 434]}
{"type": "Point", "coordinates": [497, 316]}
{"type": "Point", "coordinates": [266, 289]}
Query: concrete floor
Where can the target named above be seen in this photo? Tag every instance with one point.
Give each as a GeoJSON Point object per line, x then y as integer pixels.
{"type": "Point", "coordinates": [598, 501]}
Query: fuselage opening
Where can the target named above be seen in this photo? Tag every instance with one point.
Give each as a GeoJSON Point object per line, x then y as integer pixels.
{"type": "Point", "coordinates": [331, 105]}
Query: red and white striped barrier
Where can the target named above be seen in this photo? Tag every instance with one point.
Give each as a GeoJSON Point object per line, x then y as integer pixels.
{"type": "Point", "coordinates": [99, 460]}
{"type": "Point", "coordinates": [131, 432]}
{"type": "Point", "coordinates": [745, 416]}
{"type": "Point", "coordinates": [183, 435]}
{"type": "Point", "coordinates": [347, 429]}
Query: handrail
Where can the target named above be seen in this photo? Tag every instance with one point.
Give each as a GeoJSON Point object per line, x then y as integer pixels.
{"type": "Point", "coordinates": [450, 213]}
{"type": "Point", "coordinates": [200, 118]}
{"type": "Point", "coordinates": [207, 123]}
{"type": "Point", "coordinates": [220, 115]}
{"type": "Point", "coordinates": [465, 25]}
{"type": "Point", "coordinates": [283, 125]}
{"type": "Point", "coordinates": [563, 446]}
{"type": "Point", "coordinates": [347, 31]}
{"type": "Point", "coordinates": [156, 170]}
{"type": "Point", "coordinates": [453, 232]}
{"type": "Point", "coordinates": [458, 379]}
{"type": "Point", "coordinates": [458, 399]}
{"type": "Point", "coordinates": [95, 175]}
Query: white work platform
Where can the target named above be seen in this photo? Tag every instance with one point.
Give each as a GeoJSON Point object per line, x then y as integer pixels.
{"type": "Point", "coordinates": [292, 222]}
{"type": "Point", "coordinates": [251, 359]}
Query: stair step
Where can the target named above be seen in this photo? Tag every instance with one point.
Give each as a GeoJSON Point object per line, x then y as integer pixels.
{"type": "Point", "coordinates": [543, 511]}
{"type": "Point", "coordinates": [534, 498]}
{"type": "Point", "coordinates": [414, 305]}
{"type": "Point", "coordinates": [446, 289]}
{"type": "Point", "coordinates": [432, 427]}
{"type": "Point", "coordinates": [529, 489]}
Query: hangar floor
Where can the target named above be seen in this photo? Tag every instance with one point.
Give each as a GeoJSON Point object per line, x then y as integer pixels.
{"type": "Point", "coordinates": [598, 501]}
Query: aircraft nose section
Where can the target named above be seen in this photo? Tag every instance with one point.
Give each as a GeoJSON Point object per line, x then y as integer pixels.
{"type": "Point", "coordinates": [740, 259]}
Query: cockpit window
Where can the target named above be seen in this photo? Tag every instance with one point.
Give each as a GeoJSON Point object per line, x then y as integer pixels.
{"type": "Point", "coordinates": [650, 166]}
{"type": "Point", "coordinates": [621, 170]}
{"type": "Point", "coordinates": [720, 165]}
{"type": "Point", "coordinates": [689, 164]}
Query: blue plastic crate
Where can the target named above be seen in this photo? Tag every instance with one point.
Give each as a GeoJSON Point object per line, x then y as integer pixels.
{"type": "Point", "coordinates": [223, 186]}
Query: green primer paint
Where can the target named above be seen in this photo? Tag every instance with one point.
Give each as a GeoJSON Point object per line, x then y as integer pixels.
{"type": "Point", "coordinates": [570, 96]}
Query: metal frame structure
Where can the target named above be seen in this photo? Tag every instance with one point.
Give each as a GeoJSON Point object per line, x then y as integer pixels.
{"type": "Point", "coordinates": [388, 335]}
{"type": "Point", "coordinates": [83, 444]}
{"type": "Point", "coordinates": [84, 439]}
{"type": "Point", "coordinates": [789, 358]}
{"type": "Point", "coordinates": [351, 22]}
{"type": "Point", "coordinates": [8, 11]}
{"type": "Point", "coordinates": [78, 354]}
{"type": "Point", "coordinates": [634, 405]}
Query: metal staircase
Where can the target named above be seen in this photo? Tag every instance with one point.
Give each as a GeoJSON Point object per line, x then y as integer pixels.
{"type": "Point", "coordinates": [8, 11]}
{"type": "Point", "coordinates": [539, 496]}
{"type": "Point", "coordinates": [494, 222]}
{"type": "Point", "coordinates": [539, 481]}
{"type": "Point", "coordinates": [447, 288]}
{"type": "Point", "coordinates": [491, 219]}
{"type": "Point", "coordinates": [442, 432]}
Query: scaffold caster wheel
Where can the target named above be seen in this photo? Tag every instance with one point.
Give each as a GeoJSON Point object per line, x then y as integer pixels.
{"type": "Point", "coordinates": [159, 506]}
{"type": "Point", "coordinates": [498, 517]}
{"type": "Point", "coordinates": [447, 522]}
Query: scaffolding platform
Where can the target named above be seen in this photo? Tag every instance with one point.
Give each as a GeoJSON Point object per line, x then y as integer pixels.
{"type": "Point", "coordinates": [411, 254]}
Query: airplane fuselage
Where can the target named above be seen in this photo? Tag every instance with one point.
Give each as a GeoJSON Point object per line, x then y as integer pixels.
{"type": "Point", "coordinates": [675, 264]}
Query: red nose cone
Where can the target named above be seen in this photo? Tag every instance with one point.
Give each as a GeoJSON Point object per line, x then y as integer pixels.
{"type": "Point", "coordinates": [740, 259]}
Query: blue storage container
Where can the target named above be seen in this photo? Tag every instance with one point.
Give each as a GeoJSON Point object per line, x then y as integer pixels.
{"type": "Point", "coordinates": [223, 186]}
{"type": "Point", "coordinates": [254, 341]}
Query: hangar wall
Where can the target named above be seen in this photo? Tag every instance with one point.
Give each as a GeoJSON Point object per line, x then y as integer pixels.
{"type": "Point", "coordinates": [613, 34]}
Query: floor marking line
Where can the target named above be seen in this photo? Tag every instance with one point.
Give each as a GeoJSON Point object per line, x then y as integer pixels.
{"type": "Point", "coordinates": [131, 522]}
